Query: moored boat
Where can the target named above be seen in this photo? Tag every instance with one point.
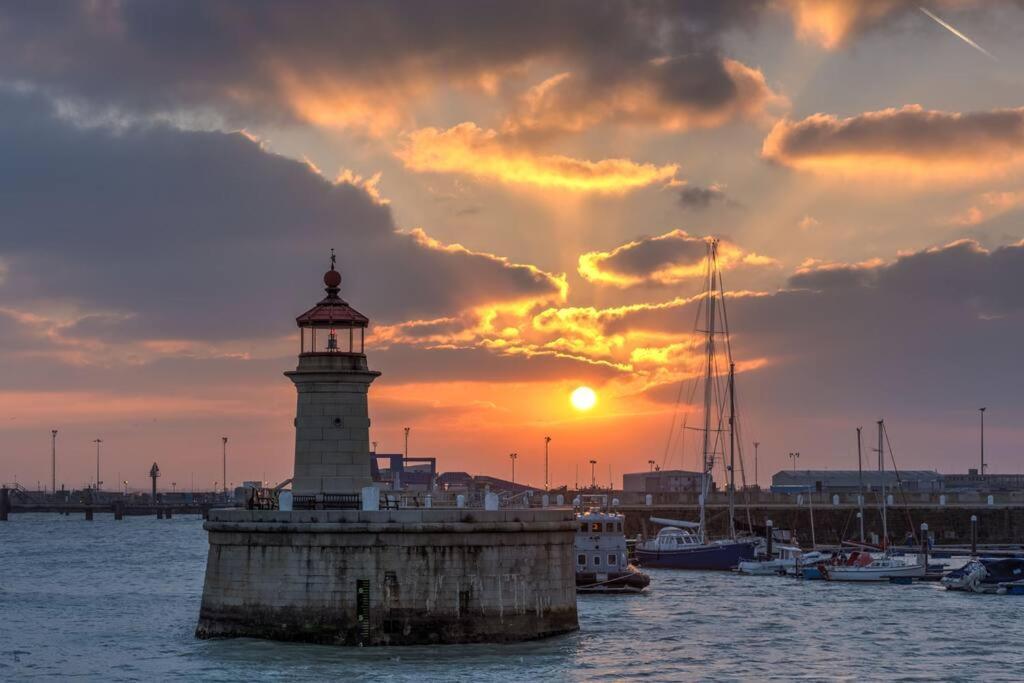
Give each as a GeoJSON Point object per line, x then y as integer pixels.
{"type": "Point", "coordinates": [602, 560]}
{"type": "Point", "coordinates": [988, 575]}
{"type": "Point", "coordinates": [684, 544]}
{"type": "Point", "coordinates": [870, 569]}
{"type": "Point", "coordinates": [675, 548]}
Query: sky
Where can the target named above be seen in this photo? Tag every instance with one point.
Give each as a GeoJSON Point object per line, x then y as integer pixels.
{"type": "Point", "coordinates": [519, 195]}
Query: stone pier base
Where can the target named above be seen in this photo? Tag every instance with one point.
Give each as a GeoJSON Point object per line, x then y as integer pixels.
{"type": "Point", "coordinates": [389, 577]}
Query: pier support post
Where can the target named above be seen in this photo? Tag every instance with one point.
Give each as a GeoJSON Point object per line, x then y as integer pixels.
{"type": "Point", "coordinates": [118, 511]}
{"type": "Point", "coordinates": [167, 513]}
{"type": "Point", "coordinates": [88, 514]}
{"type": "Point", "coordinates": [159, 513]}
{"type": "Point", "coordinates": [768, 533]}
{"type": "Point", "coordinates": [974, 535]}
{"type": "Point", "coordinates": [5, 504]}
{"type": "Point", "coordinates": [924, 545]}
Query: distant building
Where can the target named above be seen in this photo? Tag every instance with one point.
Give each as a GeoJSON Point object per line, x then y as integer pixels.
{"type": "Point", "coordinates": [664, 481]}
{"type": "Point", "coordinates": [850, 481]}
{"type": "Point", "coordinates": [400, 473]}
{"type": "Point", "coordinates": [989, 483]}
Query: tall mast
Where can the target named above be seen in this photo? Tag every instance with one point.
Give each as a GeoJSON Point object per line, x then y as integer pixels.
{"type": "Point", "coordinates": [860, 489]}
{"type": "Point", "coordinates": [881, 469]}
{"type": "Point", "coordinates": [732, 450]}
{"type": "Point", "coordinates": [709, 328]}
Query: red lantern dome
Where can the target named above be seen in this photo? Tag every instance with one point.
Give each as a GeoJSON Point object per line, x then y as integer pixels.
{"type": "Point", "coordinates": [329, 317]}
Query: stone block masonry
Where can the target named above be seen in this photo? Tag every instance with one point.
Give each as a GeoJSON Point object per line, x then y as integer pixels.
{"type": "Point", "coordinates": [332, 438]}
{"type": "Point", "coordinates": [390, 577]}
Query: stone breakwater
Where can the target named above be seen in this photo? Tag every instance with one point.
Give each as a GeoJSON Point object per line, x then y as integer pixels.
{"type": "Point", "coordinates": [399, 577]}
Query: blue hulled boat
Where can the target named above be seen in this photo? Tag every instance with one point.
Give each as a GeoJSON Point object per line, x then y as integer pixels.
{"type": "Point", "coordinates": [675, 548]}
{"type": "Point", "coordinates": [685, 545]}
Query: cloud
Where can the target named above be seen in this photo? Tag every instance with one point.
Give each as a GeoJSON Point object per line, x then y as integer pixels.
{"type": "Point", "coordinates": [365, 65]}
{"type": "Point", "coordinates": [989, 205]}
{"type": "Point", "coordinates": [469, 150]}
{"type": "Point", "coordinates": [663, 260]}
{"type": "Point", "coordinates": [909, 141]}
{"type": "Point", "coordinates": [153, 233]}
{"type": "Point", "coordinates": [833, 23]}
{"type": "Point", "coordinates": [699, 90]}
{"type": "Point", "coordinates": [696, 198]}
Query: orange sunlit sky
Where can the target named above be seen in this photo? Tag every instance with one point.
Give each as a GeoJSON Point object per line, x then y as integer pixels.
{"type": "Point", "coordinates": [519, 195]}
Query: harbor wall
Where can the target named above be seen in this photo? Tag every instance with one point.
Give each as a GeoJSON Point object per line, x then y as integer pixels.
{"type": "Point", "coordinates": [389, 577]}
{"type": "Point", "coordinates": [833, 524]}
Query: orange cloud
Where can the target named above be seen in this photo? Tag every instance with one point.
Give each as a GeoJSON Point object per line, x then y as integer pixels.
{"type": "Point", "coordinates": [910, 142]}
{"type": "Point", "coordinates": [470, 150]}
{"type": "Point", "coordinates": [831, 23]}
{"type": "Point", "coordinates": [696, 91]}
{"type": "Point", "coordinates": [989, 206]}
{"type": "Point", "coordinates": [666, 259]}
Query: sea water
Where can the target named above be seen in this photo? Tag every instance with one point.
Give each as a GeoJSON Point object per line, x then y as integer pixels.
{"type": "Point", "coordinates": [108, 600]}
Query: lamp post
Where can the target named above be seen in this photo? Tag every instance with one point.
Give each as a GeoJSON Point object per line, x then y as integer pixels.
{"type": "Point", "coordinates": [53, 460]}
{"type": "Point", "coordinates": [407, 441]}
{"type": "Point", "coordinates": [793, 457]}
{"type": "Point", "coordinates": [513, 457]}
{"type": "Point", "coordinates": [547, 440]}
{"type": "Point", "coordinates": [981, 411]}
{"type": "Point", "coordinates": [593, 474]}
{"type": "Point", "coordinates": [224, 463]}
{"type": "Point", "coordinates": [98, 441]}
{"type": "Point", "coordinates": [651, 463]}
{"type": "Point", "coordinates": [374, 447]}
{"type": "Point", "coordinates": [756, 481]}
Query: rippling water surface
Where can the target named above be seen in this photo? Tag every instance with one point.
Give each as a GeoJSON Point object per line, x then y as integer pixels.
{"type": "Point", "coordinates": [118, 601]}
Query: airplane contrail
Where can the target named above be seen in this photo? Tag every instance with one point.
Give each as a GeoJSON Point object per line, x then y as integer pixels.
{"type": "Point", "coordinates": [959, 35]}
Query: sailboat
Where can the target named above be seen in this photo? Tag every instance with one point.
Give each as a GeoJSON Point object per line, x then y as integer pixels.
{"type": "Point", "coordinates": [869, 568]}
{"type": "Point", "coordinates": [684, 544]}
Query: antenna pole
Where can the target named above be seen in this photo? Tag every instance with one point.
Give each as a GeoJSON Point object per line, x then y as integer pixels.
{"type": "Point", "coordinates": [860, 489]}
{"type": "Point", "coordinates": [881, 469]}
{"type": "Point", "coordinates": [732, 450]}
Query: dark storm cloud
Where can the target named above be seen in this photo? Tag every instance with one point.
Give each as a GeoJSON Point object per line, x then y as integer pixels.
{"type": "Point", "coordinates": [165, 233]}
{"type": "Point", "coordinates": [927, 331]}
{"type": "Point", "coordinates": [663, 260]}
{"type": "Point", "coordinates": [245, 59]}
{"type": "Point", "coordinates": [935, 141]}
{"type": "Point", "coordinates": [698, 198]}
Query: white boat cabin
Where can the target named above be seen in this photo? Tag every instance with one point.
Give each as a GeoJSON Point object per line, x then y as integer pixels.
{"type": "Point", "coordinates": [673, 538]}
{"type": "Point", "coordinates": [600, 542]}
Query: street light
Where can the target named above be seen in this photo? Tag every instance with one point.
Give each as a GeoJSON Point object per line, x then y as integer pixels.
{"type": "Point", "coordinates": [651, 463]}
{"type": "Point", "coordinates": [756, 444]}
{"type": "Point", "coordinates": [547, 440]}
{"type": "Point", "coordinates": [98, 441]}
{"type": "Point", "coordinates": [593, 474]}
{"type": "Point", "coordinates": [513, 457]}
{"type": "Point", "coordinates": [224, 462]}
{"type": "Point", "coordinates": [53, 459]}
{"type": "Point", "coordinates": [793, 457]}
{"type": "Point", "coordinates": [407, 441]}
{"type": "Point", "coordinates": [982, 412]}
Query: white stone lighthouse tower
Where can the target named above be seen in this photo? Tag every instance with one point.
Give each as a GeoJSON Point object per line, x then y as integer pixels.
{"type": "Point", "coordinates": [332, 424]}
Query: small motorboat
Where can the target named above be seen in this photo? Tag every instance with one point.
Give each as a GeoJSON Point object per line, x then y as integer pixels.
{"type": "Point", "coordinates": [999, 575]}
{"type": "Point", "coordinates": [602, 560]}
{"type": "Point", "coordinates": [785, 560]}
{"type": "Point", "coordinates": [864, 567]}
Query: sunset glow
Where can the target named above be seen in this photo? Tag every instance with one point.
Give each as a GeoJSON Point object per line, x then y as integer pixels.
{"type": "Point", "coordinates": [520, 200]}
{"type": "Point", "coordinates": [583, 398]}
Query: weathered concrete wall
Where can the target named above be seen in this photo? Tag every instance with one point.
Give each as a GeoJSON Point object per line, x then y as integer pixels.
{"type": "Point", "coordinates": [332, 423]}
{"type": "Point", "coordinates": [431, 576]}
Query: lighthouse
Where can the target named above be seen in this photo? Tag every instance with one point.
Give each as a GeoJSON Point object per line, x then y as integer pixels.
{"type": "Point", "coordinates": [336, 567]}
{"type": "Point", "coordinates": [332, 423]}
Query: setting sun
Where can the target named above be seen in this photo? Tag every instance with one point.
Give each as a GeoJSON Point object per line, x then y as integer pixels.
{"type": "Point", "coordinates": [583, 398]}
